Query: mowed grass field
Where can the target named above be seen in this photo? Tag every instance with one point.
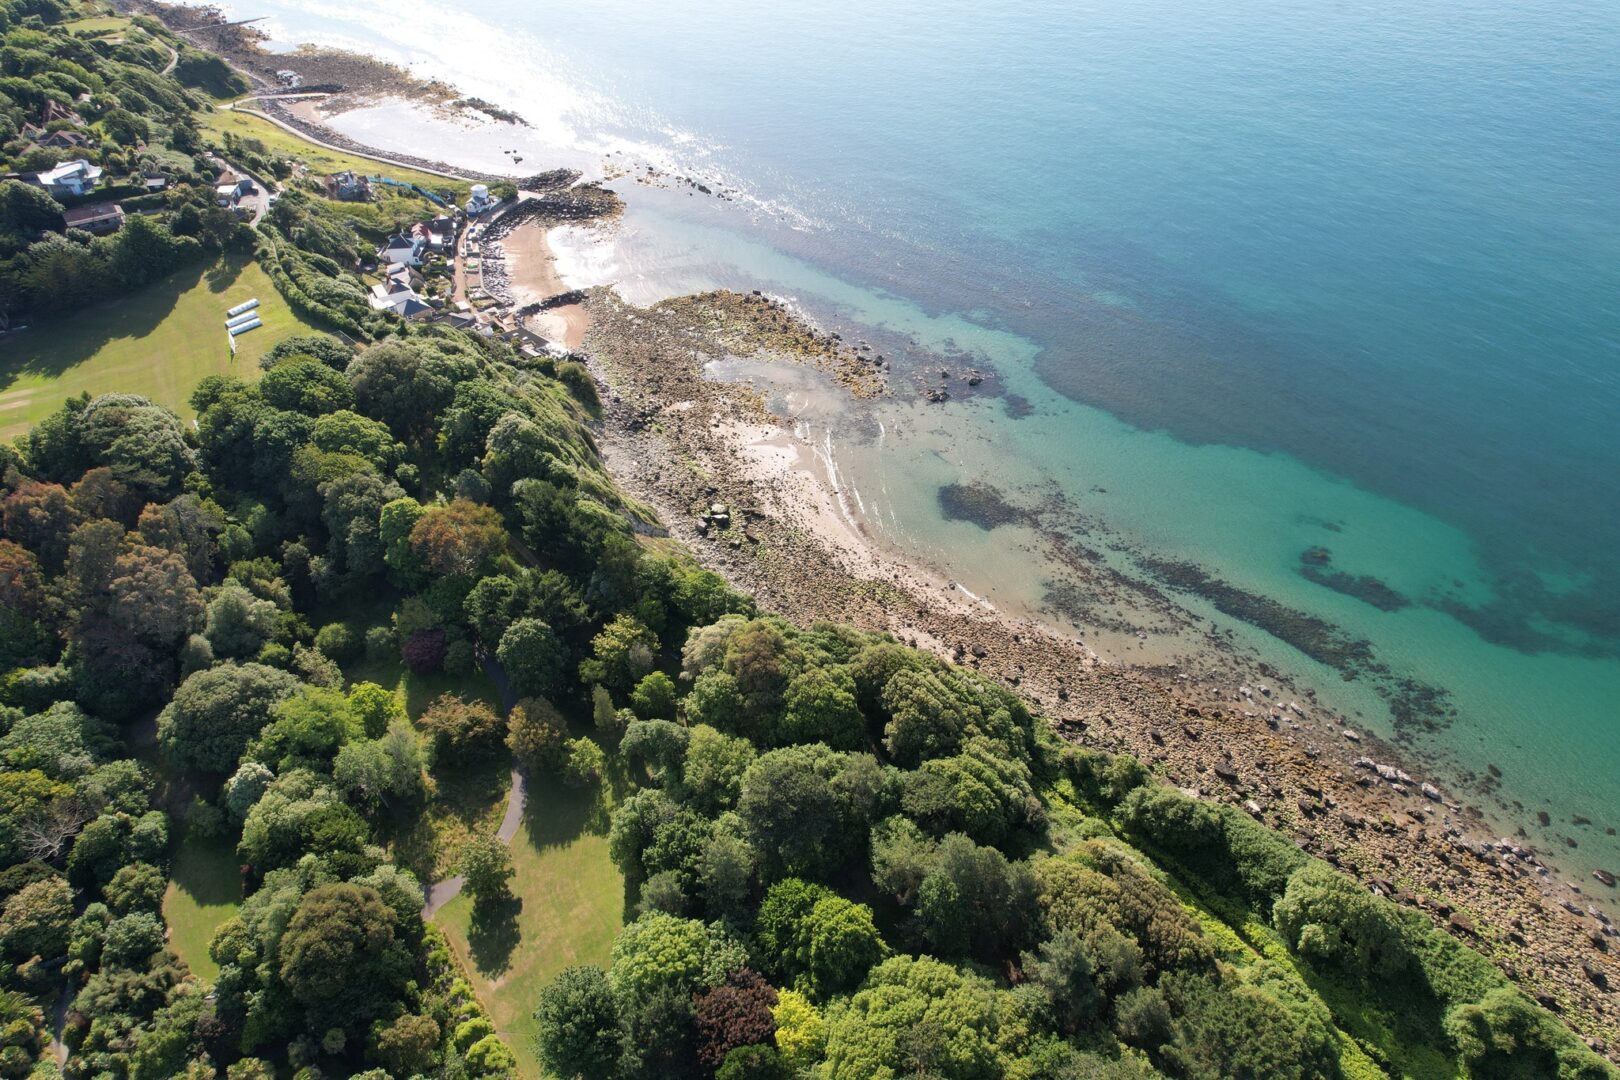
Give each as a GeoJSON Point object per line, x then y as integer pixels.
{"type": "Point", "coordinates": [204, 891]}
{"type": "Point", "coordinates": [319, 159]}
{"type": "Point", "coordinates": [570, 905]}
{"type": "Point", "coordinates": [157, 342]}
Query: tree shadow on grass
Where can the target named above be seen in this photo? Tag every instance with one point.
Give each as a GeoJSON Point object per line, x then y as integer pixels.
{"type": "Point", "coordinates": [223, 274]}
{"type": "Point", "coordinates": [558, 813]}
{"type": "Point", "coordinates": [492, 935]}
{"type": "Point", "coordinates": [54, 346]}
{"type": "Point", "coordinates": [207, 871]}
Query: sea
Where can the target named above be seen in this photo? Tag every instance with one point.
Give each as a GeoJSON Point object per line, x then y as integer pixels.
{"type": "Point", "coordinates": [1301, 314]}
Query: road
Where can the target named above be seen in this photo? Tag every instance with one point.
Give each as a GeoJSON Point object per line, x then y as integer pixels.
{"type": "Point", "coordinates": [441, 893]}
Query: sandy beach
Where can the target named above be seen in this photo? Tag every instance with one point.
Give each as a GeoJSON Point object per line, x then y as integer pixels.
{"type": "Point", "coordinates": [531, 274]}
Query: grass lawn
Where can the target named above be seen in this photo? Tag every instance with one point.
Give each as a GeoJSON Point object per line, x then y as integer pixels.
{"type": "Point", "coordinates": [319, 159]}
{"type": "Point", "coordinates": [100, 24]}
{"type": "Point", "coordinates": [156, 342]}
{"type": "Point", "coordinates": [569, 906]}
{"type": "Point", "coordinates": [204, 891]}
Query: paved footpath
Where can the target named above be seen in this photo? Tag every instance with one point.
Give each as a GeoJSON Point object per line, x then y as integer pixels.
{"type": "Point", "coordinates": [441, 893]}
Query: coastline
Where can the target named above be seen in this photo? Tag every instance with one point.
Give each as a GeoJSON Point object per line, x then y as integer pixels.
{"type": "Point", "coordinates": [683, 442]}
{"type": "Point", "coordinates": [680, 442]}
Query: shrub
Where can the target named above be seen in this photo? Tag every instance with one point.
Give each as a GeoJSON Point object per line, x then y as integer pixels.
{"type": "Point", "coordinates": [1223, 847]}
{"type": "Point", "coordinates": [654, 697]}
{"type": "Point", "coordinates": [380, 644]}
{"type": "Point", "coordinates": [423, 652]}
{"type": "Point", "coordinates": [579, 382]}
{"type": "Point", "coordinates": [1330, 919]}
{"type": "Point", "coordinates": [586, 763]}
{"type": "Point", "coordinates": [462, 730]}
{"type": "Point", "coordinates": [338, 641]}
{"type": "Point", "coordinates": [537, 734]}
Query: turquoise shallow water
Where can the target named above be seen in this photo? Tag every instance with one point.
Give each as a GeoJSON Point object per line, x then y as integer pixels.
{"type": "Point", "coordinates": [1276, 275]}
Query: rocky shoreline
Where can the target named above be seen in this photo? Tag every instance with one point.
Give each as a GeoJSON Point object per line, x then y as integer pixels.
{"type": "Point", "coordinates": [687, 444]}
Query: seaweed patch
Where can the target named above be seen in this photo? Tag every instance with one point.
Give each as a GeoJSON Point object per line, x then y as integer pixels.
{"type": "Point", "coordinates": [980, 503]}
{"type": "Point", "coordinates": [1316, 565]}
{"type": "Point", "coordinates": [1316, 638]}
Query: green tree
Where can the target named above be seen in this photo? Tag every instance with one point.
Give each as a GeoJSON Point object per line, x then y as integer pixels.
{"type": "Point", "coordinates": [132, 939]}
{"type": "Point", "coordinates": [303, 384]}
{"type": "Point", "coordinates": [754, 1063]}
{"type": "Point", "coordinates": [1332, 919]}
{"type": "Point", "coordinates": [410, 1045]}
{"type": "Point", "coordinates": [661, 744]}
{"type": "Point", "coordinates": [125, 128]}
{"type": "Point", "coordinates": [620, 655]}
{"type": "Point", "coordinates": [376, 707]}
{"type": "Point", "coordinates": [928, 716]}
{"type": "Point", "coordinates": [309, 728]}
{"type": "Point", "coordinates": [340, 957]}
{"type": "Point", "coordinates": [917, 1015]}
{"type": "Point", "coordinates": [843, 944]}
{"type": "Point", "coordinates": [328, 350]}
{"type": "Point", "coordinates": [487, 865]}
{"type": "Point", "coordinates": [136, 887]}
{"type": "Point", "coordinates": [1505, 1036]}
{"type": "Point", "coordinates": [238, 623]}
{"type": "Point", "coordinates": [397, 519]}
{"type": "Point", "coordinates": [660, 952]}
{"type": "Point", "coordinates": [806, 808]}
{"type": "Point", "coordinates": [25, 211]}
{"type": "Point", "coordinates": [36, 919]}
{"type": "Point", "coordinates": [245, 788]}
{"type": "Point", "coordinates": [383, 775]}
{"type": "Point", "coordinates": [713, 767]}
{"type": "Point", "coordinates": [1061, 970]}
{"type": "Point", "coordinates": [586, 764]}
{"type": "Point", "coordinates": [654, 697]}
{"type": "Point", "coordinates": [532, 658]}
{"type": "Point", "coordinates": [215, 712]}
{"type": "Point", "coordinates": [349, 433]}
{"type": "Point", "coordinates": [577, 1025]}
{"type": "Point", "coordinates": [902, 856]}
{"type": "Point", "coordinates": [820, 707]}
{"type": "Point", "coordinates": [403, 384]}
{"type": "Point", "coordinates": [974, 902]}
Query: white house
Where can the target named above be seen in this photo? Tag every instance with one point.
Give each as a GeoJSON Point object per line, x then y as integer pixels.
{"type": "Point", "coordinates": [230, 187]}
{"type": "Point", "coordinates": [400, 248]}
{"type": "Point", "coordinates": [406, 304]}
{"type": "Point", "coordinates": [77, 177]}
{"type": "Point", "coordinates": [480, 200]}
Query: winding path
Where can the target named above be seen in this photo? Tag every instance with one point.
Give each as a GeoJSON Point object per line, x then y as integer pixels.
{"type": "Point", "coordinates": [441, 893]}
